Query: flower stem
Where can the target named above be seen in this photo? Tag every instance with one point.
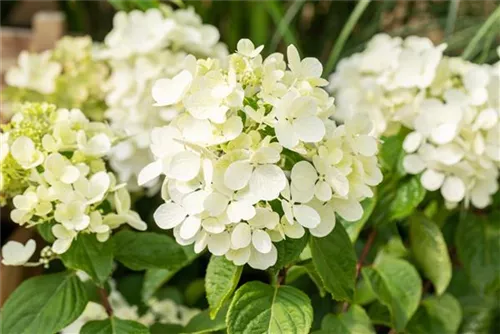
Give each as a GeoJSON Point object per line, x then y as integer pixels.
{"type": "Point", "coordinates": [105, 302]}
{"type": "Point", "coordinates": [361, 260]}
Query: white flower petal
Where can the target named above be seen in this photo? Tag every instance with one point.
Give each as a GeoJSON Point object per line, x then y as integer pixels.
{"type": "Point", "coordinates": [294, 231]}
{"type": "Point", "coordinates": [267, 181]}
{"type": "Point", "coordinates": [241, 236]}
{"type": "Point", "coordinates": [193, 203]}
{"type": "Point", "coordinates": [190, 226]}
{"type": "Point", "coordinates": [61, 245]}
{"type": "Point", "coordinates": [286, 134]}
{"type": "Point", "coordinates": [306, 216]}
{"type": "Point", "coordinates": [239, 256]}
{"type": "Point", "coordinates": [349, 209]}
{"type": "Point", "coordinates": [303, 175]}
{"type": "Point", "coordinates": [453, 189]}
{"type": "Point", "coordinates": [215, 203]}
{"type": "Point", "coordinates": [432, 179]}
{"type": "Point", "coordinates": [309, 129]}
{"type": "Point", "coordinates": [70, 174]}
{"type": "Point", "coordinates": [413, 164]}
{"type": "Point", "coordinates": [323, 191]}
{"type": "Point", "coordinates": [261, 261]}
{"type": "Point", "coordinates": [170, 91]}
{"type": "Point", "coordinates": [240, 210]}
{"type": "Point", "coordinates": [169, 215]}
{"type": "Point", "coordinates": [218, 244]}
{"type": "Point", "coordinates": [184, 166]}
{"type": "Point", "coordinates": [366, 145]}
{"type": "Point", "coordinates": [213, 225]}
{"type": "Point", "coordinates": [412, 142]}
{"type": "Point", "coordinates": [449, 154]}
{"type": "Point", "coordinates": [150, 172]}
{"type": "Point", "coordinates": [237, 175]}
{"type": "Point", "coordinates": [261, 241]}
{"type": "Point", "coordinates": [444, 133]}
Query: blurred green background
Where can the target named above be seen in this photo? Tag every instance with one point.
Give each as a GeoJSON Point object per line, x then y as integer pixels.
{"type": "Point", "coordinates": [313, 26]}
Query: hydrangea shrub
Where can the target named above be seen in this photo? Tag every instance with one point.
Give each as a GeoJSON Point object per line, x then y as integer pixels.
{"type": "Point", "coordinates": [277, 201]}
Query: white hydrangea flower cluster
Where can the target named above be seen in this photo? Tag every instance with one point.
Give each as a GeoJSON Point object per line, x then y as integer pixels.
{"type": "Point", "coordinates": [141, 48]}
{"type": "Point", "coordinates": [163, 311]}
{"type": "Point", "coordinates": [455, 142]}
{"type": "Point", "coordinates": [384, 80]}
{"type": "Point", "coordinates": [253, 157]}
{"type": "Point", "coordinates": [451, 107]}
{"type": "Point", "coordinates": [66, 76]}
{"type": "Point", "coordinates": [37, 72]}
{"type": "Point", "coordinates": [56, 157]}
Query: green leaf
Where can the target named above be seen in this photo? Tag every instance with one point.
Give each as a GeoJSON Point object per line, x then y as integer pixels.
{"type": "Point", "coordinates": [492, 22]}
{"type": "Point", "coordinates": [114, 325]}
{"type": "Point", "coordinates": [93, 257]}
{"type": "Point", "coordinates": [147, 250]}
{"type": "Point", "coordinates": [44, 304]}
{"type": "Point", "coordinates": [202, 323]}
{"type": "Point", "coordinates": [260, 308]}
{"type": "Point", "coordinates": [335, 261]}
{"type": "Point", "coordinates": [160, 328]}
{"type": "Point", "coordinates": [289, 251]}
{"type": "Point", "coordinates": [430, 251]}
{"type": "Point", "coordinates": [45, 230]}
{"type": "Point", "coordinates": [354, 228]}
{"type": "Point", "coordinates": [379, 314]}
{"type": "Point", "coordinates": [364, 293]}
{"type": "Point", "coordinates": [408, 197]}
{"type": "Point", "coordinates": [484, 321]}
{"type": "Point", "coordinates": [156, 278]}
{"type": "Point", "coordinates": [436, 315]}
{"type": "Point", "coordinates": [344, 35]}
{"type": "Point", "coordinates": [392, 153]}
{"type": "Point", "coordinates": [478, 246]}
{"type": "Point", "coordinates": [313, 274]}
{"type": "Point", "coordinates": [355, 320]}
{"type": "Point", "coordinates": [398, 286]}
{"type": "Point", "coordinates": [220, 281]}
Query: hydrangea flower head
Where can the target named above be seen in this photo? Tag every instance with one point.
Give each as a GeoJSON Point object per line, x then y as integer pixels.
{"type": "Point", "coordinates": [252, 158]}
{"type": "Point", "coordinates": [141, 48]}
{"type": "Point", "coordinates": [67, 76]}
{"type": "Point", "coordinates": [384, 79]}
{"type": "Point", "coordinates": [54, 173]}
{"type": "Point", "coordinates": [449, 105]}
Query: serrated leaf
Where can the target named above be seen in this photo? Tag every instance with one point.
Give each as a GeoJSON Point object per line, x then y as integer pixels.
{"type": "Point", "coordinates": [430, 251]}
{"type": "Point", "coordinates": [202, 323]}
{"type": "Point", "coordinates": [220, 282]}
{"type": "Point", "coordinates": [156, 278]}
{"type": "Point", "coordinates": [260, 308]}
{"type": "Point", "coordinates": [478, 247]}
{"type": "Point", "coordinates": [44, 304]}
{"type": "Point", "coordinates": [91, 256]}
{"type": "Point", "coordinates": [408, 196]}
{"type": "Point", "coordinates": [355, 320]}
{"type": "Point", "coordinates": [335, 261]}
{"type": "Point", "coordinates": [354, 228]}
{"type": "Point", "coordinates": [147, 250]}
{"type": "Point", "coordinates": [398, 286]}
{"type": "Point", "coordinates": [436, 315]}
{"type": "Point", "coordinates": [289, 251]}
{"type": "Point", "coordinates": [114, 325]}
